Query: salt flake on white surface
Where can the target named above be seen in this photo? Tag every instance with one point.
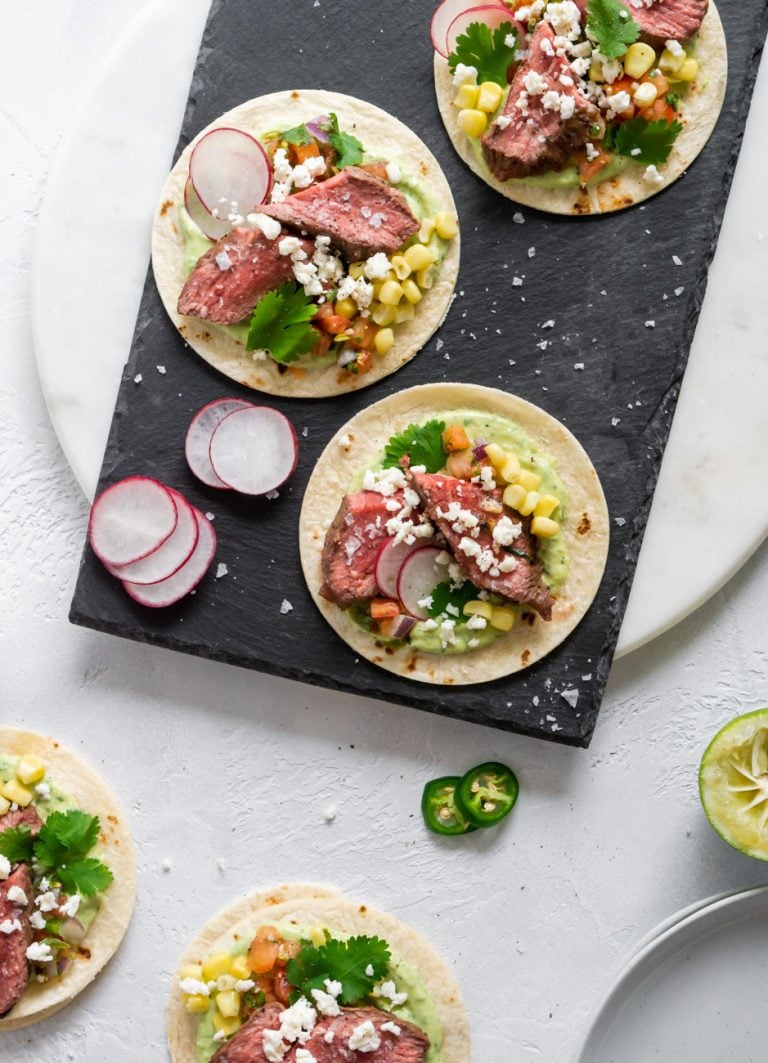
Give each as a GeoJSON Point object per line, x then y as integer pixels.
{"type": "Point", "coordinates": [167, 864]}
{"type": "Point", "coordinates": [329, 813]}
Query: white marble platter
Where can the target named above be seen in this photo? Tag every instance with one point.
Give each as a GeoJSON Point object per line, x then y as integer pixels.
{"type": "Point", "coordinates": [709, 513]}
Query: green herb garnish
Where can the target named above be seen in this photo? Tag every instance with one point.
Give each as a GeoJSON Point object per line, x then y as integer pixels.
{"type": "Point", "coordinates": [674, 99]}
{"type": "Point", "coordinates": [280, 324]}
{"type": "Point", "coordinates": [423, 443]}
{"type": "Point", "coordinates": [349, 150]}
{"type": "Point", "coordinates": [298, 135]}
{"type": "Point", "coordinates": [653, 139]}
{"type": "Point", "coordinates": [611, 26]}
{"type": "Point", "coordinates": [60, 849]}
{"type": "Point", "coordinates": [447, 593]}
{"type": "Point", "coordinates": [487, 50]}
{"type": "Point", "coordinates": [341, 961]}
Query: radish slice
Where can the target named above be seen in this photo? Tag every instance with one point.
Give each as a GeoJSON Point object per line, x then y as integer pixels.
{"type": "Point", "coordinates": [444, 16]}
{"type": "Point", "coordinates": [171, 590]}
{"type": "Point", "coordinates": [198, 442]}
{"type": "Point", "coordinates": [254, 450]}
{"type": "Point", "coordinates": [214, 228]}
{"type": "Point", "coordinates": [168, 558]}
{"type": "Point", "coordinates": [130, 520]}
{"type": "Point", "coordinates": [231, 172]}
{"type": "Point", "coordinates": [419, 575]}
{"type": "Point", "coordinates": [492, 15]}
{"type": "Point", "coordinates": [390, 561]}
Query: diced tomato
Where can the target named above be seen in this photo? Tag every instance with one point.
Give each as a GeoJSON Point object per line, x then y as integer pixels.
{"type": "Point", "coordinates": [364, 361]}
{"type": "Point", "coordinates": [282, 988]}
{"type": "Point", "coordinates": [589, 168]}
{"type": "Point", "coordinates": [455, 438]}
{"type": "Point", "coordinates": [659, 82]}
{"type": "Point", "coordinates": [363, 333]}
{"type": "Point", "coordinates": [378, 169]}
{"type": "Point", "coordinates": [384, 609]}
{"type": "Point", "coordinates": [299, 153]}
{"type": "Point", "coordinates": [660, 109]}
{"type": "Point", "coordinates": [323, 344]}
{"type": "Point", "coordinates": [461, 464]}
{"type": "Point", "coordinates": [262, 955]}
{"type": "Point", "coordinates": [333, 324]}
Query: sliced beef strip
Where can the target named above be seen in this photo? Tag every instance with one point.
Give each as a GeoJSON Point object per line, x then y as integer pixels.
{"type": "Point", "coordinates": [666, 20]}
{"type": "Point", "coordinates": [409, 1046]}
{"type": "Point", "coordinates": [359, 212]}
{"type": "Point", "coordinates": [536, 140]}
{"type": "Point", "coordinates": [14, 966]}
{"type": "Point", "coordinates": [17, 817]}
{"type": "Point", "coordinates": [523, 584]}
{"type": "Point", "coordinates": [253, 266]}
{"type": "Point", "coordinates": [247, 1045]}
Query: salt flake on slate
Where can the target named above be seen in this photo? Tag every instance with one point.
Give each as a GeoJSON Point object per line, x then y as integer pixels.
{"type": "Point", "coordinates": [615, 421]}
{"type": "Point", "coordinates": [439, 344]}
{"type": "Point", "coordinates": [621, 521]}
{"type": "Point", "coordinates": [518, 218]}
{"type": "Point", "coordinates": [221, 570]}
{"type": "Point", "coordinates": [578, 365]}
{"type": "Point", "coordinates": [161, 369]}
{"type": "Point", "coordinates": [285, 606]}
{"type": "Point", "coordinates": [210, 516]}
{"type": "Point", "coordinates": [543, 344]}
{"type": "Point", "coordinates": [138, 378]}
{"type": "Point", "coordinates": [650, 323]}
{"type": "Point", "coordinates": [531, 252]}
{"type": "Point", "coordinates": [680, 290]}
{"type": "Point", "coordinates": [272, 495]}
{"type": "Point", "coordinates": [305, 432]}
{"type": "Point", "coordinates": [571, 696]}
{"type": "Point", "coordinates": [549, 324]}
{"type": "Point", "coordinates": [677, 260]}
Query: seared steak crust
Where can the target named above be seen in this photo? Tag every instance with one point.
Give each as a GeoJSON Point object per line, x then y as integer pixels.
{"type": "Point", "coordinates": [409, 1046]}
{"type": "Point", "coordinates": [247, 1046]}
{"type": "Point", "coordinates": [665, 20]}
{"type": "Point", "coordinates": [352, 546]}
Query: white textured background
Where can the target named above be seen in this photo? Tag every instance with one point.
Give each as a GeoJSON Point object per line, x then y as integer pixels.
{"type": "Point", "coordinates": [213, 762]}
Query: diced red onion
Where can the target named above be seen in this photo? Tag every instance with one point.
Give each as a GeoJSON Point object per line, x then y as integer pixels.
{"type": "Point", "coordinates": [478, 450]}
{"type": "Point", "coordinates": [347, 356]}
{"type": "Point", "coordinates": [62, 964]}
{"type": "Point", "coordinates": [400, 627]}
{"type": "Point", "coordinates": [318, 127]}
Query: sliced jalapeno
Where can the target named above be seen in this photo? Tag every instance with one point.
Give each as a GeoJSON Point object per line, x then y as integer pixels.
{"type": "Point", "coordinates": [438, 806]}
{"type": "Point", "coordinates": [487, 793]}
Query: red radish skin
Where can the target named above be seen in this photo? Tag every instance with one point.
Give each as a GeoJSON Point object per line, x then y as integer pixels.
{"type": "Point", "coordinates": [492, 15]}
{"type": "Point", "coordinates": [213, 228]}
{"type": "Point", "coordinates": [230, 165]}
{"type": "Point", "coordinates": [130, 520]}
{"type": "Point", "coordinates": [168, 558]}
{"type": "Point", "coordinates": [197, 445]}
{"type": "Point", "coordinates": [446, 13]}
{"type": "Point", "coordinates": [419, 575]}
{"type": "Point", "coordinates": [254, 451]}
{"type": "Point", "coordinates": [390, 561]}
{"type": "Point", "coordinates": [172, 590]}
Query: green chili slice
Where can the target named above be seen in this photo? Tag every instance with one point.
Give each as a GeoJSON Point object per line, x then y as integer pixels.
{"type": "Point", "coordinates": [487, 793]}
{"type": "Point", "coordinates": [440, 810]}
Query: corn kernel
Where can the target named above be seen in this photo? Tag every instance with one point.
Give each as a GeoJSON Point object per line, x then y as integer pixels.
{"type": "Point", "coordinates": [639, 59]}
{"type": "Point", "coordinates": [473, 123]}
{"type": "Point", "coordinates": [412, 291]}
{"type": "Point", "coordinates": [391, 293]}
{"type": "Point", "coordinates": [317, 935]}
{"type": "Point", "coordinates": [426, 230]}
{"type": "Point", "coordinates": [545, 528]}
{"type": "Point", "coordinates": [192, 970]}
{"type": "Point", "coordinates": [216, 965]}
{"type": "Point", "coordinates": [531, 501]}
{"type": "Point", "coordinates": [401, 267]}
{"type": "Point", "coordinates": [434, 251]}
{"type": "Point", "coordinates": [515, 496]}
{"type": "Point", "coordinates": [531, 481]}
{"type": "Point", "coordinates": [466, 96]}
{"type": "Point", "coordinates": [688, 70]}
{"type": "Point", "coordinates": [228, 1003]}
{"type": "Point", "coordinates": [510, 471]}
{"type": "Point", "coordinates": [240, 967]}
{"type": "Point", "coordinates": [357, 270]}
{"type": "Point", "coordinates": [497, 455]}
{"type": "Point", "coordinates": [417, 257]}
{"type": "Point", "coordinates": [384, 341]}
{"type": "Point", "coordinates": [196, 1003]}
{"type": "Point", "coordinates": [669, 62]}
{"type": "Point", "coordinates": [596, 72]}
{"type": "Point", "coordinates": [227, 1026]}
{"type": "Point", "coordinates": [383, 315]}
{"type": "Point", "coordinates": [425, 278]}
{"type": "Point", "coordinates": [484, 609]}
{"type": "Point", "coordinates": [30, 769]}
{"type": "Point", "coordinates": [502, 617]}
{"type": "Point", "coordinates": [406, 312]}
{"type": "Point", "coordinates": [16, 792]}
{"type": "Point", "coordinates": [645, 94]}
{"type": "Point", "coordinates": [5, 805]}
{"type": "Point", "coordinates": [446, 226]}
{"type": "Point", "coordinates": [489, 97]}
{"type": "Point", "coordinates": [346, 307]}
{"type": "Point", "coordinates": [546, 506]}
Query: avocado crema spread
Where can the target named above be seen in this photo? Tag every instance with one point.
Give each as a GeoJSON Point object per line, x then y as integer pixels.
{"type": "Point", "coordinates": [418, 1007]}
{"type": "Point", "coordinates": [467, 632]}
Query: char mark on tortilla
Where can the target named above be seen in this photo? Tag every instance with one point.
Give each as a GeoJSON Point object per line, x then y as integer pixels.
{"type": "Point", "coordinates": [666, 20]}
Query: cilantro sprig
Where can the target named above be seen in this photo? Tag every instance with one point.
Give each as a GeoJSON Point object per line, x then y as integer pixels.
{"type": "Point", "coordinates": [298, 135]}
{"type": "Point", "coordinates": [487, 50]}
{"type": "Point", "coordinates": [423, 443]}
{"type": "Point", "coordinates": [611, 27]}
{"type": "Point", "coordinates": [60, 849]}
{"type": "Point", "coordinates": [347, 962]}
{"type": "Point", "coordinates": [447, 593]}
{"type": "Point", "coordinates": [280, 324]}
{"type": "Point", "coordinates": [349, 150]}
{"type": "Point", "coordinates": [648, 143]}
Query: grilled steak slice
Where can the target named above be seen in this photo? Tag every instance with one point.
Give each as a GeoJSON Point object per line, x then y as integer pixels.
{"type": "Point", "coordinates": [247, 1046]}
{"type": "Point", "coordinates": [666, 20]}
{"type": "Point", "coordinates": [352, 545]}
{"type": "Point", "coordinates": [409, 1046]}
{"type": "Point", "coordinates": [361, 213]}
{"type": "Point", "coordinates": [21, 817]}
{"type": "Point", "coordinates": [14, 966]}
{"type": "Point", "coordinates": [234, 274]}
{"type": "Point", "coordinates": [444, 497]}
{"type": "Point", "coordinates": [530, 137]}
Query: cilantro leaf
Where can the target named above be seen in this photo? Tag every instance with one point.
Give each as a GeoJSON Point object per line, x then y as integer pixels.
{"type": "Point", "coordinates": [341, 961]}
{"type": "Point", "coordinates": [348, 149]}
{"type": "Point", "coordinates": [66, 836]}
{"type": "Point", "coordinates": [611, 26]}
{"type": "Point", "coordinates": [280, 324]}
{"type": "Point", "coordinates": [653, 139]}
{"type": "Point", "coordinates": [487, 50]}
{"type": "Point", "coordinates": [298, 135]}
{"type": "Point", "coordinates": [423, 443]}
{"type": "Point", "coordinates": [86, 877]}
{"type": "Point", "coordinates": [673, 99]}
{"type": "Point", "coordinates": [446, 593]}
{"type": "Point", "coordinates": [16, 844]}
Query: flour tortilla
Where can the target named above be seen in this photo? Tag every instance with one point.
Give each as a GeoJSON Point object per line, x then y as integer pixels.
{"type": "Point", "coordinates": [381, 135]}
{"type": "Point", "coordinates": [586, 530]}
{"type": "Point", "coordinates": [310, 905]}
{"type": "Point", "coordinates": [700, 112]}
{"type": "Point", "coordinates": [88, 792]}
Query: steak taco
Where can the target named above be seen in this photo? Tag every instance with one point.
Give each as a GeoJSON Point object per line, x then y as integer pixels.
{"type": "Point", "coordinates": [301, 974]}
{"type": "Point", "coordinates": [306, 244]}
{"type": "Point", "coordinates": [581, 107]}
{"type": "Point", "coordinates": [453, 533]}
{"type": "Point", "coordinates": [67, 877]}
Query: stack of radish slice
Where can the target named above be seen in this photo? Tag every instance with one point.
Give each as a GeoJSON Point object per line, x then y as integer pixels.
{"type": "Point", "coordinates": [230, 173]}
{"type": "Point", "coordinates": [151, 538]}
{"type": "Point", "coordinates": [408, 573]}
{"type": "Point", "coordinates": [233, 445]}
{"type": "Point", "coordinates": [453, 16]}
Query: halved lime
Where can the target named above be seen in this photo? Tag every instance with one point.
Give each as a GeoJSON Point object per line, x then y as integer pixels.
{"type": "Point", "coordinates": [733, 783]}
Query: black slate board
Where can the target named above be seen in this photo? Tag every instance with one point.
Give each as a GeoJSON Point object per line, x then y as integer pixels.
{"type": "Point", "coordinates": [600, 280]}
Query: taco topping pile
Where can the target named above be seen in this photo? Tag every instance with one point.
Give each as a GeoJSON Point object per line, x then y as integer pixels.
{"type": "Point", "coordinates": [442, 545]}
{"type": "Point", "coordinates": [295, 999]}
{"type": "Point", "coordinates": [325, 266]}
{"type": "Point", "coordinates": [49, 884]}
{"type": "Point", "coordinates": [590, 87]}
